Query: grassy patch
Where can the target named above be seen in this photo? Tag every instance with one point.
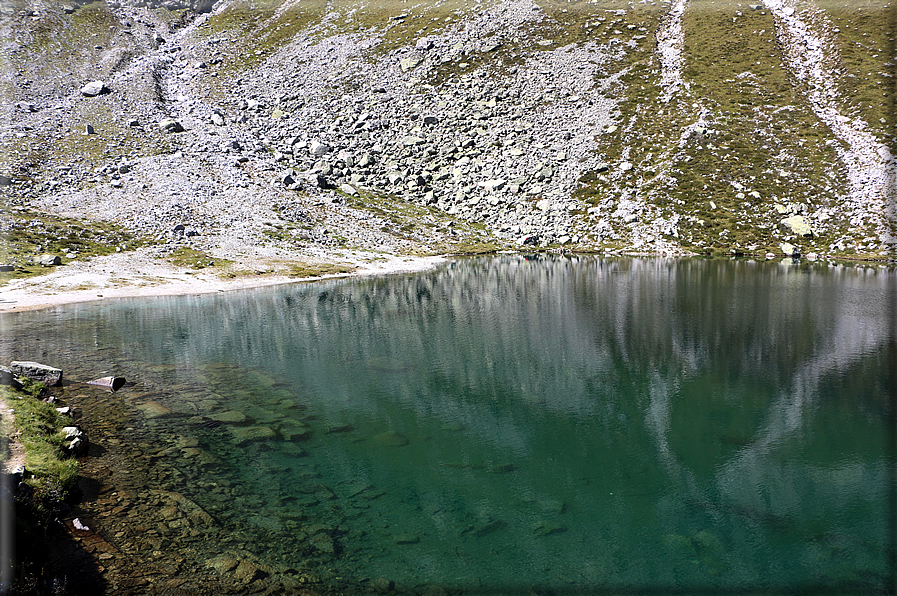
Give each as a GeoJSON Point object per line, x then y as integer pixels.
{"type": "Point", "coordinates": [28, 234]}
{"type": "Point", "coordinates": [40, 432]}
{"type": "Point", "coordinates": [195, 259]}
{"type": "Point", "coordinates": [318, 269]}
{"type": "Point", "coordinates": [865, 39]}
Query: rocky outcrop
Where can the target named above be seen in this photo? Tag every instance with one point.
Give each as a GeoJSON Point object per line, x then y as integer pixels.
{"type": "Point", "coordinates": [35, 371]}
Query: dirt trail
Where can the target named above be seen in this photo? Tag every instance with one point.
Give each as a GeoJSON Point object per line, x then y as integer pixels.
{"type": "Point", "coordinates": [872, 170]}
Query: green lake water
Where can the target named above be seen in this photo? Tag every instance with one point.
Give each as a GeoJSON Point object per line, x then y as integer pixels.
{"type": "Point", "coordinates": [510, 424]}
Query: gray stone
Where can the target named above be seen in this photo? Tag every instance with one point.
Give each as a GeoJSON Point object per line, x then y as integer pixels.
{"type": "Point", "coordinates": [317, 148]}
{"type": "Point", "coordinates": [424, 43]}
{"type": "Point", "coordinates": [88, 129]}
{"type": "Point", "coordinates": [93, 88]}
{"type": "Point", "coordinates": [5, 375]}
{"type": "Point", "coordinates": [493, 185]}
{"type": "Point", "coordinates": [796, 224]}
{"type": "Point", "coordinates": [217, 119]}
{"type": "Point", "coordinates": [348, 189]}
{"type": "Point", "coordinates": [49, 260]}
{"type": "Point", "coordinates": [170, 125]}
{"type": "Point", "coordinates": [37, 372]}
{"type": "Point", "coordinates": [789, 249]}
{"type": "Point", "coordinates": [75, 442]}
{"type": "Point", "coordinates": [112, 383]}
{"type": "Point", "coordinates": [410, 63]}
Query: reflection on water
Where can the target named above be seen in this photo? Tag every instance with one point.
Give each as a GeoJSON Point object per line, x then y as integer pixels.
{"type": "Point", "coordinates": [499, 424]}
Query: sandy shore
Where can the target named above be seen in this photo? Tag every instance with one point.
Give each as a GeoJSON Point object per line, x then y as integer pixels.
{"type": "Point", "coordinates": [137, 274]}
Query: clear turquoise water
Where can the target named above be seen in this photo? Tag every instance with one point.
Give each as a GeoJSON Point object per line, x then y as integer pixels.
{"type": "Point", "coordinates": [507, 423]}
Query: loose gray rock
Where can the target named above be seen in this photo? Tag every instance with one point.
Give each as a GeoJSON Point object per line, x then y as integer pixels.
{"type": "Point", "coordinates": [317, 149]}
{"type": "Point", "coordinates": [49, 260]}
{"type": "Point", "coordinates": [170, 125]}
{"type": "Point", "coordinates": [410, 63]}
{"type": "Point", "coordinates": [88, 129]}
{"type": "Point", "coordinates": [113, 383]}
{"type": "Point", "coordinates": [6, 375]}
{"type": "Point", "coordinates": [35, 371]}
{"type": "Point", "coordinates": [94, 88]}
{"type": "Point", "coordinates": [75, 443]}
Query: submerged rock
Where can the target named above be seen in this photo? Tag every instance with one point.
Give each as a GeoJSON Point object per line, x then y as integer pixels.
{"type": "Point", "coordinates": [251, 434]}
{"type": "Point", "coordinates": [391, 439]}
{"type": "Point", "coordinates": [229, 417]}
{"type": "Point", "coordinates": [547, 528]}
{"type": "Point", "coordinates": [406, 538]}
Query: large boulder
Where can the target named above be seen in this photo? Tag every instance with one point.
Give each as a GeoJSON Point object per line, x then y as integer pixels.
{"type": "Point", "coordinates": [93, 88]}
{"type": "Point", "coordinates": [35, 371]}
{"type": "Point", "coordinates": [6, 376]}
{"type": "Point", "coordinates": [797, 225]}
{"type": "Point", "coordinates": [48, 260]}
{"type": "Point", "coordinates": [170, 125]}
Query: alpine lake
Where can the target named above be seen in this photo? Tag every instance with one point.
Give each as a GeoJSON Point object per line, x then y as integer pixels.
{"type": "Point", "coordinates": [497, 425]}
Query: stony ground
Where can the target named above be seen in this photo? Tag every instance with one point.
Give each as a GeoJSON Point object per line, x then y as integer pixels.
{"type": "Point", "coordinates": [282, 136]}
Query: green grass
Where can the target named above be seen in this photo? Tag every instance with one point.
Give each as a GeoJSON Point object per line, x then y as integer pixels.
{"type": "Point", "coordinates": [195, 259]}
{"type": "Point", "coordinates": [29, 234]}
{"type": "Point", "coordinates": [866, 44]}
{"type": "Point", "coordinates": [299, 269]}
{"type": "Point", "coordinates": [760, 125]}
{"type": "Point", "coordinates": [40, 431]}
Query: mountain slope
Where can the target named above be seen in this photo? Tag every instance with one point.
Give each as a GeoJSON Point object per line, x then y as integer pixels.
{"type": "Point", "coordinates": [339, 130]}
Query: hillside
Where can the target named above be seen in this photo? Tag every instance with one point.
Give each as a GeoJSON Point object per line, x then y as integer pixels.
{"type": "Point", "coordinates": [313, 136]}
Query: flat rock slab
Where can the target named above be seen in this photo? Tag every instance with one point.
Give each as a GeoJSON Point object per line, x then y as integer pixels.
{"type": "Point", "coordinates": [251, 434]}
{"type": "Point", "coordinates": [229, 417]}
{"type": "Point", "coordinates": [36, 371]}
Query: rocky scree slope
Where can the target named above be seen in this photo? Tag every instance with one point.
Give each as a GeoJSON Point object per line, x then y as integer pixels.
{"type": "Point", "coordinates": [304, 130]}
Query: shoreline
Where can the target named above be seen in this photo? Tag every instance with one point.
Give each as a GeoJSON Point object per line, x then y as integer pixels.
{"type": "Point", "coordinates": [92, 280]}
{"type": "Point", "coordinates": [142, 278]}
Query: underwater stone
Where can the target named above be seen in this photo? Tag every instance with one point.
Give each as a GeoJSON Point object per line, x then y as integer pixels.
{"type": "Point", "coordinates": [406, 538]}
{"type": "Point", "coordinates": [295, 432]}
{"type": "Point", "coordinates": [153, 409]}
{"type": "Point", "coordinates": [547, 528]}
{"type": "Point", "coordinates": [392, 439]}
{"type": "Point", "coordinates": [251, 434]}
{"type": "Point", "coordinates": [229, 417]}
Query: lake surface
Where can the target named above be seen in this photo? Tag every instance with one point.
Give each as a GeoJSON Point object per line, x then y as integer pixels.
{"type": "Point", "coordinates": [499, 425]}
